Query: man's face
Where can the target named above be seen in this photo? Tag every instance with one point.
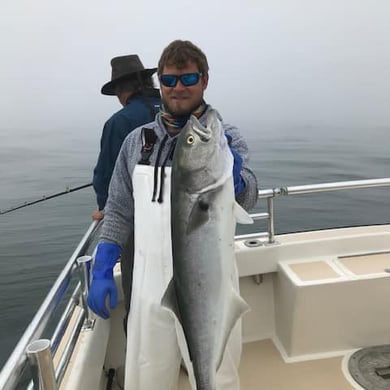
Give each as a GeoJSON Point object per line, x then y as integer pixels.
{"type": "Point", "coordinates": [182, 100]}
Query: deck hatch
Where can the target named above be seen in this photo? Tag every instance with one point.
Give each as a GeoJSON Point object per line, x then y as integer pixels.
{"type": "Point", "coordinates": [312, 271]}
{"type": "Point", "coordinates": [370, 367]}
{"type": "Point", "coordinates": [366, 264]}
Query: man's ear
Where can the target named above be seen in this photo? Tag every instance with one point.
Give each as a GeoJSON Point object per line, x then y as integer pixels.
{"type": "Point", "coordinates": [205, 81]}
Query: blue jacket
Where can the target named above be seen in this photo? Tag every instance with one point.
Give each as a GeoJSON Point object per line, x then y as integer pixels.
{"type": "Point", "coordinates": [137, 112]}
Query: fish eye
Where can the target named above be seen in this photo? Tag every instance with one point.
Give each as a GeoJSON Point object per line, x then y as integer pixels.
{"type": "Point", "coordinates": [190, 139]}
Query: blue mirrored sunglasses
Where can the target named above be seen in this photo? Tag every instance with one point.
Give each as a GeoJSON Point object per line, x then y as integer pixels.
{"type": "Point", "coordinates": [187, 79]}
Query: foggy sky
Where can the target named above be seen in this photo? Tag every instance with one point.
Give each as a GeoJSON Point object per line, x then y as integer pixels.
{"type": "Point", "coordinates": [276, 62]}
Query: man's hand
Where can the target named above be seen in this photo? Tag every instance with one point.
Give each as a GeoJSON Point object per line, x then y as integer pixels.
{"type": "Point", "coordinates": [103, 284]}
{"type": "Point", "coordinates": [239, 183]}
{"type": "Point", "coordinates": [97, 215]}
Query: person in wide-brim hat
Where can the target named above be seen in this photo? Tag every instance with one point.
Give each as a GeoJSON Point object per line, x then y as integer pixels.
{"type": "Point", "coordinates": [134, 87]}
{"type": "Point", "coordinates": [124, 67]}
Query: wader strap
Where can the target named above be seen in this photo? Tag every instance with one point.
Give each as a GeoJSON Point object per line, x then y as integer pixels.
{"type": "Point", "coordinates": [149, 138]}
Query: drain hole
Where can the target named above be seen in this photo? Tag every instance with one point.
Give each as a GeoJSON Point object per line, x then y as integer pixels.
{"type": "Point", "coordinates": [252, 243]}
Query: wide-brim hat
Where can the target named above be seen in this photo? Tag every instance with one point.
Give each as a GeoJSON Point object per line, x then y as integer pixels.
{"type": "Point", "coordinates": [124, 67]}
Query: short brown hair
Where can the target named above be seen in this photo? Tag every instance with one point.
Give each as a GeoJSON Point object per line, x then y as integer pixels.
{"type": "Point", "coordinates": [179, 53]}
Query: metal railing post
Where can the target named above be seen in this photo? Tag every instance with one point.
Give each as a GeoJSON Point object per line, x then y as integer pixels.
{"type": "Point", "coordinates": [271, 228]}
{"type": "Point", "coordinates": [85, 263]}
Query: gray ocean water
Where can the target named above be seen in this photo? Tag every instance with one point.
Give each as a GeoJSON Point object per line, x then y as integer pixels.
{"type": "Point", "coordinates": [36, 241]}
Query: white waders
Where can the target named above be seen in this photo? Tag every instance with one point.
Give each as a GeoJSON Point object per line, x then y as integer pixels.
{"type": "Point", "coordinates": [155, 340]}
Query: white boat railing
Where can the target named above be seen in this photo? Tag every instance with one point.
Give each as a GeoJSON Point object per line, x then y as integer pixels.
{"type": "Point", "coordinates": [12, 372]}
{"type": "Point", "coordinates": [270, 194]}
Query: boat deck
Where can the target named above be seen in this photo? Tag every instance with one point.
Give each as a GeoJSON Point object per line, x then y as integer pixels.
{"type": "Point", "coordinates": [262, 368]}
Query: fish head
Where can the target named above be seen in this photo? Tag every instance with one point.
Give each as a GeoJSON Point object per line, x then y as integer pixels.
{"type": "Point", "coordinates": [202, 157]}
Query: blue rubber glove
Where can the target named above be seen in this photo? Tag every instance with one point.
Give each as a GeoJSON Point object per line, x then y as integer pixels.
{"type": "Point", "coordinates": [239, 183]}
{"type": "Point", "coordinates": [103, 283]}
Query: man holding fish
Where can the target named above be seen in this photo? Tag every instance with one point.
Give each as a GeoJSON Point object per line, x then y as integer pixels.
{"type": "Point", "coordinates": [177, 186]}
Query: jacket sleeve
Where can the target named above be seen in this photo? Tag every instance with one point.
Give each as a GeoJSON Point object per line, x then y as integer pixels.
{"type": "Point", "coordinates": [247, 198]}
{"type": "Point", "coordinates": [119, 210]}
{"type": "Point", "coordinates": [114, 132]}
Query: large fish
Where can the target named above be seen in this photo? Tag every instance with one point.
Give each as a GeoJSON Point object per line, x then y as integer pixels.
{"type": "Point", "coordinates": [203, 218]}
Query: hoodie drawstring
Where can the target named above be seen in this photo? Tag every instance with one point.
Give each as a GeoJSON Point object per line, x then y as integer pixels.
{"type": "Point", "coordinates": [162, 172]}
{"type": "Point", "coordinates": [163, 142]}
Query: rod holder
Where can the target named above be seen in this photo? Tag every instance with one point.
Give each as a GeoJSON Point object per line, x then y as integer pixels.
{"type": "Point", "coordinates": [41, 363]}
{"type": "Point", "coordinates": [84, 264]}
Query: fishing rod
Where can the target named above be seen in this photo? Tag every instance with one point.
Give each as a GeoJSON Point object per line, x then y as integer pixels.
{"type": "Point", "coordinates": [44, 198]}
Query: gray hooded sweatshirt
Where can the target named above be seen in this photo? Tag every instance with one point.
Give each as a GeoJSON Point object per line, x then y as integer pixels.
{"type": "Point", "coordinates": [119, 210]}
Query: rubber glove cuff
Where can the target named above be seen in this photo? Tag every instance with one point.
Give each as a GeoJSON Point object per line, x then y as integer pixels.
{"type": "Point", "coordinates": [239, 183]}
{"type": "Point", "coordinates": [107, 254]}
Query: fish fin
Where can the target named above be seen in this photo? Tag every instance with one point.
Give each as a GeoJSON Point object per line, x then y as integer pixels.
{"type": "Point", "coordinates": [237, 308]}
{"type": "Point", "coordinates": [169, 299]}
{"type": "Point", "coordinates": [241, 215]}
{"type": "Point", "coordinates": [200, 213]}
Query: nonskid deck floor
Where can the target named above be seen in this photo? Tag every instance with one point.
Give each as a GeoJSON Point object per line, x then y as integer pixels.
{"type": "Point", "coordinates": [262, 368]}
